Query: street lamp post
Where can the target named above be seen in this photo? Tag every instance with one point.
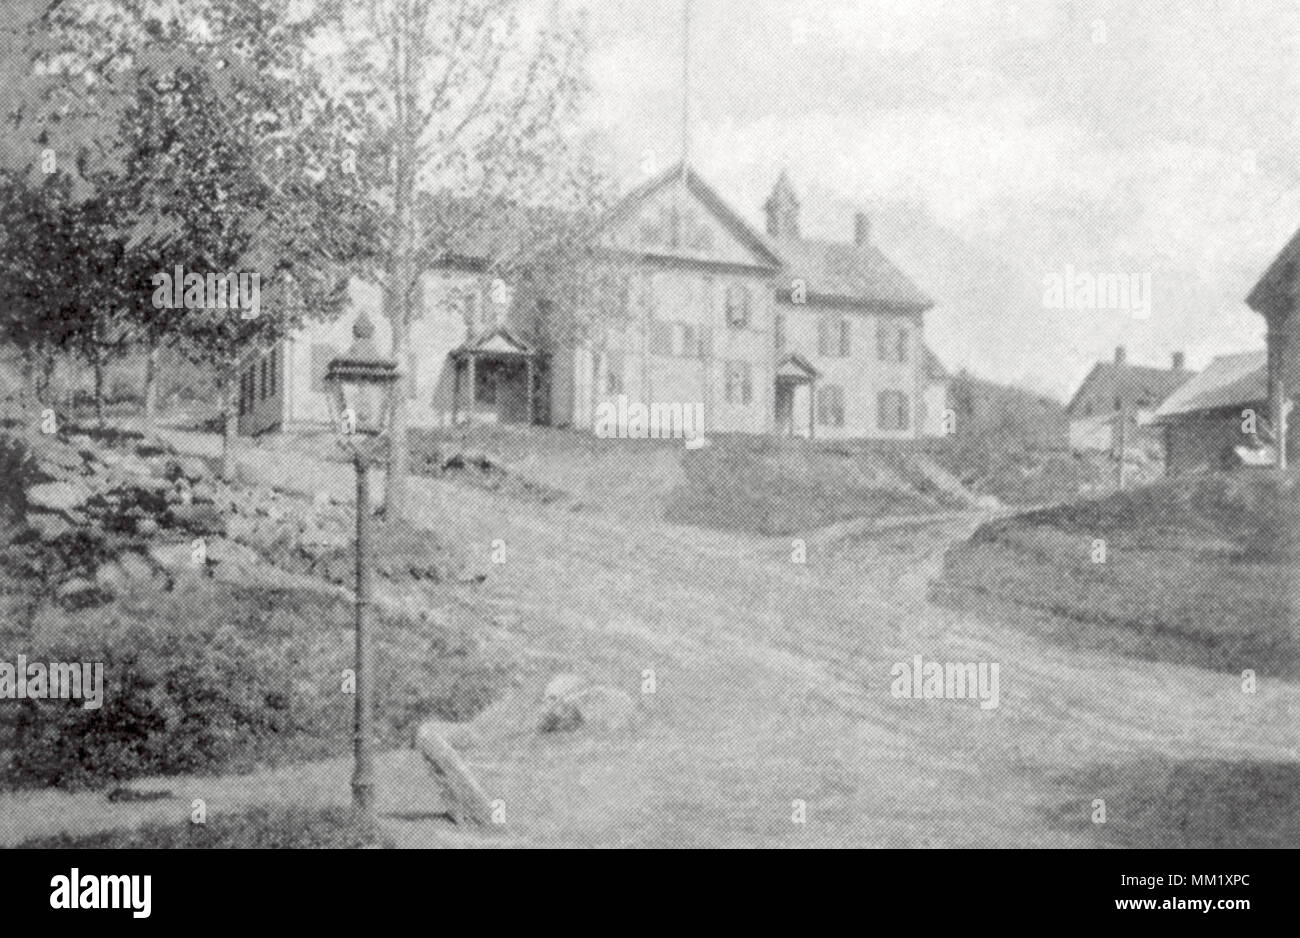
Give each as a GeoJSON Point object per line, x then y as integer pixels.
{"type": "Point", "coordinates": [360, 387]}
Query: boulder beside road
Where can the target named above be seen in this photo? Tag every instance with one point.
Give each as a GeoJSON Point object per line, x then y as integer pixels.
{"type": "Point", "coordinates": [468, 802]}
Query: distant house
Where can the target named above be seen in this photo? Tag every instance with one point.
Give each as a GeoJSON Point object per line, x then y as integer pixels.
{"type": "Point", "coordinates": [1118, 390]}
{"type": "Point", "coordinates": [765, 331]}
{"type": "Point", "coordinates": [1205, 422]}
{"type": "Point", "coordinates": [1274, 298]}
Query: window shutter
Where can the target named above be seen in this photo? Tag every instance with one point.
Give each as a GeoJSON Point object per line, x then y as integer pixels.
{"type": "Point", "coordinates": [823, 338]}
{"type": "Point", "coordinates": [882, 343]}
{"type": "Point", "coordinates": [747, 386]}
{"type": "Point", "coordinates": [706, 342]}
{"type": "Point", "coordinates": [661, 338]}
{"type": "Point", "coordinates": [845, 338]}
{"type": "Point", "coordinates": [738, 305]}
{"type": "Point", "coordinates": [411, 376]}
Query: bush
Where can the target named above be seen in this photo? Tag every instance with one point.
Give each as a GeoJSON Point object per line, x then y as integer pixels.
{"type": "Point", "coordinates": [219, 679]}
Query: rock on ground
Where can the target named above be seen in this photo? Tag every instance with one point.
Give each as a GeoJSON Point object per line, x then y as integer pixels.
{"type": "Point", "coordinates": [466, 800]}
{"type": "Point", "coordinates": [59, 496]}
{"type": "Point", "coordinates": [595, 707]}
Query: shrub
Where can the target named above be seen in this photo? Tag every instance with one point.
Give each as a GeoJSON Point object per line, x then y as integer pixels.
{"type": "Point", "coordinates": [211, 678]}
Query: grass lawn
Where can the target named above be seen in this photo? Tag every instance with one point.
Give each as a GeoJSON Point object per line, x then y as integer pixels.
{"type": "Point", "coordinates": [258, 828]}
{"type": "Point", "coordinates": [1196, 571]}
{"type": "Point", "coordinates": [1165, 804]}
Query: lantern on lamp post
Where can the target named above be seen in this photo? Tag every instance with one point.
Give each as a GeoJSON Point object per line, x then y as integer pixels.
{"type": "Point", "coordinates": [360, 385]}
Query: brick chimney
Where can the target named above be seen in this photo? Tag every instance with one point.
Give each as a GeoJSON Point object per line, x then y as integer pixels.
{"type": "Point", "coordinates": [1179, 361]}
{"type": "Point", "coordinates": [861, 229]}
{"type": "Point", "coordinates": [1120, 355]}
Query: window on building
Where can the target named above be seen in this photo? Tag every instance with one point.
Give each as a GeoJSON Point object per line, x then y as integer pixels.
{"type": "Point", "coordinates": [893, 411]}
{"type": "Point", "coordinates": [834, 337]}
{"type": "Point", "coordinates": [779, 331]}
{"type": "Point", "coordinates": [671, 221]}
{"type": "Point", "coordinates": [830, 405]}
{"type": "Point", "coordinates": [275, 371]}
{"type": "Point", "coordinates": [646, 297]}
{"type": "Point", "coordinates": [701, 239]}
{"type": "Point", "coordinates": [681, 339]}
{"type": "Point", "coordinates": [651, 232]}
{"type": "Point", "coordinates": [739, 382]}
{"type": "Point", "coordinates": [738, 306]}
{"type": "Point", "coordinates": [678, 339]}
{"type": "Point", "coordinates": [411, 378]}
{"type": "Point", "coordinates": [266, 377]}
{"type": "Point", "coordinates": [893, 342]}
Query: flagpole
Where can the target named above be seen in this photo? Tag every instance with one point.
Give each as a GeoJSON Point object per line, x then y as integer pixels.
{"type": "Point", "coordinates": [686, 85]}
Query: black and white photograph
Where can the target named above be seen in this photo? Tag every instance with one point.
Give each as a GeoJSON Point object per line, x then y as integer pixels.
{"type": "Point", "coordinates": [670, 424]}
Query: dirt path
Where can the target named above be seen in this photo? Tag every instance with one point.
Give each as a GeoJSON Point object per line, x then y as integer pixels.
{"type": "Point", "coordinates": [773, 686]}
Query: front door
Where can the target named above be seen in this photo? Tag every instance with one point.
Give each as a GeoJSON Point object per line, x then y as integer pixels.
{"type": "Point", "coordinates": [784, 410]}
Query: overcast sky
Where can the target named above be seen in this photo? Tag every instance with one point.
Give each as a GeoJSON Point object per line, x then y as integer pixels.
{"type": "Point", "coordinates": [995, 143]}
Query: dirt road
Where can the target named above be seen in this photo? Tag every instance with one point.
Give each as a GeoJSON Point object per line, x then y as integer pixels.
{"type": "Point", "coordinates": [773, 688]}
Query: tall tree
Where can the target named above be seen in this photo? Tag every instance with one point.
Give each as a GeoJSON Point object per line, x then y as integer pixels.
{"type": "Point", "coordinates": [209, 202]}
{"type": "Point", "coordinates": [465, 99]}
{"type": "Point", "coordinates": [229, 153]}
{"type": "Point", "coordinates": [61, 287]}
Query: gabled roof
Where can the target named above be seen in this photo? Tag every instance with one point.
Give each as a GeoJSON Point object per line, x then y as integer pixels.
{"type": "Point", "coordinates": [1133, 383]}
{"type": "Point", "coordinates": [498, 341]}
{"type": "Point", "coordinates": [475, 233]}
{"type": "Point", "coordinates": [795, 365]}
{"type": "Point", "coordinates": [851, 273]}
{"type": "Point", "coordinates": [1276, 288]}
{"type": "Point", "coordinates": [1229, 381]}
{"type": "Point", "coordinates": [695, 184]}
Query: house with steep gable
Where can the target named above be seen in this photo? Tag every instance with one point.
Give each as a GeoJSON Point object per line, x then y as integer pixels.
{"type": "Point", "coordinates": [764, 331]}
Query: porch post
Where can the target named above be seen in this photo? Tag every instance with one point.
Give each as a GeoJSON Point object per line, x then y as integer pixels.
{"type": "Point", "coordinates": [528, 368]}
{"type": "Point", "coordinates": [473, 385]}
{"type": "Point", "coordinates": [455, 391]}
{"type": "Point", "coordinates": [812, 409]}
